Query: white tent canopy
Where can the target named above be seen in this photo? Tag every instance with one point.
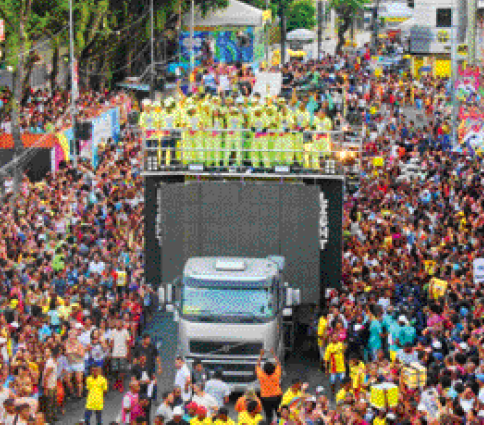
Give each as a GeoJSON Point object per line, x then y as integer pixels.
{"type": "Point", "coordinates": [301, 35]}
{"type": "Point", "coordinates": [406, 26]}
{"type": "Point", "coordinates": [236, 13]}
{"type": "Point", "coordinates": [395, 10]}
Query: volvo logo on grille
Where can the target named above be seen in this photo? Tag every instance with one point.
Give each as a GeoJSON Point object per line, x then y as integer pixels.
{"type": "Point", "coordinates": [225, 348]}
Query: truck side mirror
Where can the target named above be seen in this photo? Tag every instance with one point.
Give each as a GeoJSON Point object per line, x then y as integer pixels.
{"type": "Point", "coordinates": [288, 297]}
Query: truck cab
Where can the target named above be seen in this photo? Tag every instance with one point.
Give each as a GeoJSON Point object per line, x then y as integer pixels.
{"type": "Point", "coordinates": [228, 309]}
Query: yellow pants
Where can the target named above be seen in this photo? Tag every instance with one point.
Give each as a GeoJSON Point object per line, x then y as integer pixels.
{"type": "Point", "coordinates": [191, 140]}
{"type": "Point", "coordinates": [233, 142]}
{"type": "Point", "coordinates": [261, 143]}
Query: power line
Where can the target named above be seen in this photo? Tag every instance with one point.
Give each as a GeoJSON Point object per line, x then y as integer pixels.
{"type": "Point", "coordinates": [118, 69]}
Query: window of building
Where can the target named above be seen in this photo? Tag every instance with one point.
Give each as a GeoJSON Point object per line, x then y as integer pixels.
{"type": "Point", "coordinates": [444, 18]}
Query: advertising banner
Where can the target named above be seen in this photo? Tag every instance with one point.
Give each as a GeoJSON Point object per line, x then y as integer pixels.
{"type": "Point", "coordinates": [102, 130]}
{"type": "Point", "coordinates": [479, 270]}
{"type": "Point", "coordinates": [467, 83]}
{"type": "Point", "coordinates": [224, 44]}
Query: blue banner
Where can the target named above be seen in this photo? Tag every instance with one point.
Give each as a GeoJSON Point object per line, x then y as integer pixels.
{"type": "Point", "coordinates": [227, 45]}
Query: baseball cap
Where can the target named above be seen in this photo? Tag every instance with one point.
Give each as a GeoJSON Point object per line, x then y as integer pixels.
{"type": "Point", "coordinates": [78, 326]}
{"type": "Point", "coordinates": [463, 346]}
{"type": "Point", "coordinates": [177, 411]}
{"type": "Point", "coordinates": [319, 389]}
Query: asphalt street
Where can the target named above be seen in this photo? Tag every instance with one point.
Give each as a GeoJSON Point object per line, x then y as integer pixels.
{"type": "Point", "coordinates": [303, 362]}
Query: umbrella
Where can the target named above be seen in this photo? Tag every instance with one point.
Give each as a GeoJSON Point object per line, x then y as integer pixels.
{"type": "Point", "coordinates": [301, 35]}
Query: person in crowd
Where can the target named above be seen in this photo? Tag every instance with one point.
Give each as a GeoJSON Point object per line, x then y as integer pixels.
{"type": "Point", "coordinates": [97, 386]}
{"type": "Point", "coordinates": [218, 389]}
{"type": "Point", "coordinates": [269, 377]}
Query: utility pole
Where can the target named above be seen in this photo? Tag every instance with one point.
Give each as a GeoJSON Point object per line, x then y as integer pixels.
{"type": "Point", "coordinates": [192, 54]}
{"type": "Point", "coordinates": [471, 31]}
{"type": "Point", "coordinates": [320, 26]}
{"type": "Point", "coordinates": [283, 30]}
{"type": "Point", "coordinates": [74, 88]}
{"type": "Point", "coordinates": [454, 72]}
{"type": "Point", "coordinates": [374, 43]}
{"type": "Point", "coordinates": [266, 34]}
{"type": "Point", "coordinates": [152, 47]}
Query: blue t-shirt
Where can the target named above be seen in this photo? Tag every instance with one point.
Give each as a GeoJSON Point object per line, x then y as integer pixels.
{"type": "Point", "coordinates": [407, 335]}
{"type": "Point", "coordinates": [374, 342]}
{"type": "Point", "coordinates": [54, 317]}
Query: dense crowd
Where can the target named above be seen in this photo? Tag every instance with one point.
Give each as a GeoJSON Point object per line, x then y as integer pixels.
{"type": "Point", "coordinates": [46, 111]}
{"type": "Point", "coordinates": [401, 342]}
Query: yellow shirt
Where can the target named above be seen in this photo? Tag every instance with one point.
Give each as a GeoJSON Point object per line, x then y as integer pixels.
{"type": "Point", "coordinates": [196, 421]}
{"type": "Point", "coordinates": [379, 421]}
{"type": "Point", "coordinates": [341, 395]}
{"type": "Point", "coordinates": [121, 279]}
{"type": "Point", "coordinates": [287, 398]}
{"type": "Point", "coordinates": [246, 419]}
{"type": "Point", "coordinates": [96, 388]}
{"type": "Point", "coordinates": [321, 329]}
{"type": "Point", "coordinates": [220, 422]}
{"type": "Point", "coordinates": [335, 355]}
{"type": "Point", "coordinates": [64, 312]}
{"type": "Point", "coordinates": [357, 374]}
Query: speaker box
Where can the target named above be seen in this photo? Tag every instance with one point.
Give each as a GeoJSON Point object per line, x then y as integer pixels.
{"type": "Point", "coordinates": [83, 131]}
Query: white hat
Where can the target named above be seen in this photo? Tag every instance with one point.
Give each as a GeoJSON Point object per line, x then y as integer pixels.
{"type": "Point", "coordinates": [145, 102]}
{"type": "Point", "coordinates": [15, 325]}
{"type": "Point", "coordinates": [463, 346]}
{"type": "Point", "coordinates": [358, 327]}
{"type": "Point", "coordinates": [240, 99]}
{"type": "Point", "coordinates": [319, 389]}
{"type": "Point", "coordinates": [437, 345]}
{"type": "Point", "coordinates": [78, 326]}
{"type": "Point", "coordinates": [402, 318]}
{"type": "Point", "coordinates": [177, 411]}
{"type": "Point", "coordinates": [313, 399]}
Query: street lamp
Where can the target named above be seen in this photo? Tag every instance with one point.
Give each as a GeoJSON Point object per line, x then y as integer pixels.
{"type": "Point", "coordinates": [74, 88]}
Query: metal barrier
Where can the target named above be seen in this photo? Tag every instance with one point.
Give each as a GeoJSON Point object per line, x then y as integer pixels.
{"type": "Point", "coordinates": [175, 149]}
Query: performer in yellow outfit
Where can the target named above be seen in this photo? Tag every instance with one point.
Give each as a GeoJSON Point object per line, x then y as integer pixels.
{"type": "Point", "coordinates": [191, 136]}
{"type": "Point", "coordinates": [257, 123]}
{"type": "Point", "coordinates": [205, 156]}
{"type": "Point", "coordinates": [170, 120]}
{"type": "Point", "coordinates": [218, 137]}
{"type": "Point", "coordinates": [301, 119]}
{"type": "Point", "coordinates": [272, 123]}
{"type": "Point", "coordinates": [234, 139]}
{"type": "Point", "coordinates": [321, 145]}
{"type": "Point", "coordinates": [283, 142]}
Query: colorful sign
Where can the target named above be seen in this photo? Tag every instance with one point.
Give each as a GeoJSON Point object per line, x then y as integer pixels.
{"type": "Point", "coordinates": [2, 30]}
{"type": "Point", "coordinates": [467, 83]}
{"type": "Point", "coordinates": [223, 44]}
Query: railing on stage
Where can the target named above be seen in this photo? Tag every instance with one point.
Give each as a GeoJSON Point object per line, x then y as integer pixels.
{"type": "Point", "coordinates": [168, 150]}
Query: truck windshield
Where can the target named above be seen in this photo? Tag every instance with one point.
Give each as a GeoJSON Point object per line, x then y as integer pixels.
{"type": "Point", "coordinates": [214, 301]}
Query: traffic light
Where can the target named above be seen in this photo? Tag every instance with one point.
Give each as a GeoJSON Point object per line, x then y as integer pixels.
{"type": "Point", "coordinates": [411, 3]}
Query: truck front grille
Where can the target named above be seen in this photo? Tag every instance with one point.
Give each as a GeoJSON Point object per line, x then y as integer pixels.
{"type": "Point", "coordinates": [232, 372]}
{"type": "Point", "coordinates": [225, 348]}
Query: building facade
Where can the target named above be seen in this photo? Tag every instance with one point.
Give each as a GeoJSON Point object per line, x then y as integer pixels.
{"type": "Point", "coordinates": [432, 32]}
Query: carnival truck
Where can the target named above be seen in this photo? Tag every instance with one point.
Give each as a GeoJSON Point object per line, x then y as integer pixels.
{"type": "Point", "coordinates": [228, 309]}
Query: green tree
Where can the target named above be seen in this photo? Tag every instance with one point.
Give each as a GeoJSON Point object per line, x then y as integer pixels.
{"type": "Point", "coordinates": [301, 14]}
{"type": "Point", "coordinates": [345, 9]}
